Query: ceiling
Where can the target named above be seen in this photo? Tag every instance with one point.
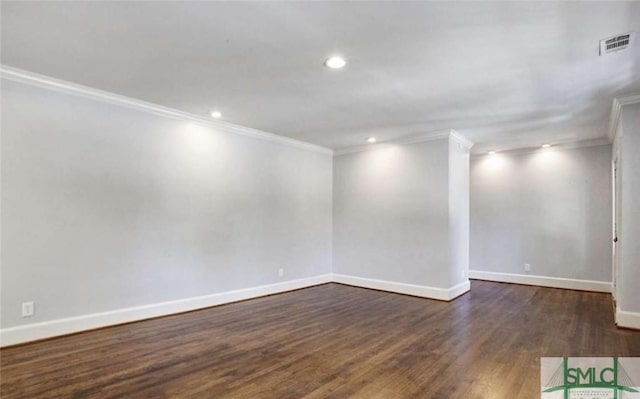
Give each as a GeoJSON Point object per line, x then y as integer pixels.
{"type": "Point", "coordinates": [505, 75]}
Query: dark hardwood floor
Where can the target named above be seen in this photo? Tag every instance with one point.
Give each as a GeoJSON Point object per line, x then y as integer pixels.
{"type": "Point", "coordinates": [329, 341]}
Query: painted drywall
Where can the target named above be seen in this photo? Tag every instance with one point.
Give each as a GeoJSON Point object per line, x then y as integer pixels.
{"type": "Point", "coordinates": [391, 214]}
{"type": "Point", "coordinates": [628, 290]}
{"type": "Point", "coordinates": [105, 207]}
{"type": "Point", "coordinates": [616, 214]}
{"type": "Point", "coordinates": [458, 211]}
{"type": "Point", "coordinates": [547, 208]}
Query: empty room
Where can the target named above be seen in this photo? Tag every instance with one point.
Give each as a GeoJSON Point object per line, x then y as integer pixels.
{"type": "Point", "coordinates": [322, 199]}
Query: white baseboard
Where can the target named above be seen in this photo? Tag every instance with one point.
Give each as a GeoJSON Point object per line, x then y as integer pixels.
{"type": "Point", "coordinates": [442, 294]}
{"type": "Point", "coordinates": [53, 328]}
{"type": "Point", "coordinates": [459, 289]}
{"type": "Point", "coordinates": [543, 281]}
{"type": "Point", "coordinates": [627, 319]}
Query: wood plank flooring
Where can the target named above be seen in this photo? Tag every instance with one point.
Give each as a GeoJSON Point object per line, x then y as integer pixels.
{"type": "Point", "coordinates": [329, 341]}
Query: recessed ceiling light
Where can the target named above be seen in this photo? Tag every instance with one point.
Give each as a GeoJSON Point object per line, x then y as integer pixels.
{"type": "Point", "coordinates": [492, 152]}
{"type": "Point", "coordinates": [371, 140]}
{"type": "Point", "coordinates": [216, 114]}
{"type": "Point", "coordinates": [335, 62]}
{"type": "Point", "coordinates": [546, 145]}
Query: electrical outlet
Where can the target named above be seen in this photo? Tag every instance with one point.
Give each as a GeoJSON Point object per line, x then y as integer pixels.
{"type": "Point", "coordinates": [280, 272]}
{"type": "Point", "coordinates": [463, 273]}
{"type": "Point", "coordinates": [28, 309]}
{"type": "Point", "coordinates": [527, 267]}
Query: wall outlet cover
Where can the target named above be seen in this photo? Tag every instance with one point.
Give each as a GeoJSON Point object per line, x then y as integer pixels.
{"type": "Point", "coordinates": [28, 309]}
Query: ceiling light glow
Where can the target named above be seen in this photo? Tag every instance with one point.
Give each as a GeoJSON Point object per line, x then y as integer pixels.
{"type": "Point", "coordinates": [335, 62]}
{"type": "Point", "coordinates": [216, 114]}
{"type": "Point", "coordinates": [492, 153]}
{"type": "Point", "coordinates": [371, 140]}
{"type": "Point", "coordinates": [546, 145]}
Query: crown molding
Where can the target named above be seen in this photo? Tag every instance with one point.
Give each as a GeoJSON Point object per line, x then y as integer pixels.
{"type": "Point", "coordinates": [429, 136]}
{"type": "Point", "coordinates": [46, 82]}
{"type": "Point", "coordinates": [460, 139]}
{"type": "Point", "coordinates": [565, 145]}
{"type": "Point", "coordinates": [616, 111]}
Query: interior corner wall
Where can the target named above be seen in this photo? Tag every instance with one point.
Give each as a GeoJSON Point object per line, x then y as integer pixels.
{"type": "Point", "coordinates": [106, 207]}
{"type": "Point", "coordinates": [628, 290]}
{"type": "Point", "coordinates": [547, 208]}
{"type": "Point", "coordinates": [390, 214]}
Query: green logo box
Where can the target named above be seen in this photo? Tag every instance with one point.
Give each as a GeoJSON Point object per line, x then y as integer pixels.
{"type": "Point", "coordinates": [590, 377]}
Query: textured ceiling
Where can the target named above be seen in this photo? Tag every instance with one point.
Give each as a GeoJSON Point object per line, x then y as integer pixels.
{"type": "Point", "coordinates": [504, 75]}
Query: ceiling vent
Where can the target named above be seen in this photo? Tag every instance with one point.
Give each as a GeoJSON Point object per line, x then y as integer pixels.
{"type": "Point", "coordinates": [616, 43]}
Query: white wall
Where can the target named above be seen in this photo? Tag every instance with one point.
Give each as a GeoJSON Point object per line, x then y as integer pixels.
{"type": "Point", "coordinates": [390, 210]}
{"type": "Point", "coordinates": [459, 188]}
{"type": "Point", "coordinates": [548, 208]}
{"type": "Point", "coordinates": [105, 207]}
{"type": "Point", "coordinates": [628, 294]}
{"type": "Point", "coordinates": [393, 222]}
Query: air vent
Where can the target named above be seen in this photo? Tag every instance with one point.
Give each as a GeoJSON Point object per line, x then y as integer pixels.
{"type": "Point", "coordinates": [616, 43]}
